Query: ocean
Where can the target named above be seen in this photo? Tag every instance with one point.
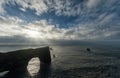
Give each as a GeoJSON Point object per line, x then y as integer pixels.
{"type": "Point", "coordinates": [72, 61]}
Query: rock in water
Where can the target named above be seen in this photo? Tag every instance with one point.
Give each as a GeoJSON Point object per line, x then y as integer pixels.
{"type": "Point", "coordinates": [88, 49]}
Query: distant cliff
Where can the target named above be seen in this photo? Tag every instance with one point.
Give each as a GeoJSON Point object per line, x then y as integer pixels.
{"type": "Point", "coordinates": [20, 58]}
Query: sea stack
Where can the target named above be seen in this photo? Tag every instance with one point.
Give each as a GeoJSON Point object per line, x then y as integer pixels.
{"type": "Point", "coordinates": [88, 49]}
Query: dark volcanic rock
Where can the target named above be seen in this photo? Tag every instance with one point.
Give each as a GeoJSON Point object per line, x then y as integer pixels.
{"type": "Point", "coordinates": [19, 59]}
{"type": "Point", "coordinates": [88, 49]}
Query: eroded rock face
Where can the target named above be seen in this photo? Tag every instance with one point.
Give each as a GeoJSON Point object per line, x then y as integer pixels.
{"type": "Point", "coordinates": [19, 59]}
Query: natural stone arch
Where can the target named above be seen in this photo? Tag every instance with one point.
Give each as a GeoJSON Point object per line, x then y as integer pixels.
{"type": "Point", "coordinates": [20, 58]}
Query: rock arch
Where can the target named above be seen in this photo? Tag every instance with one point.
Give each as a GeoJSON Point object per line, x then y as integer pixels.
{"type": "Point", "coordinates": [20, 58]}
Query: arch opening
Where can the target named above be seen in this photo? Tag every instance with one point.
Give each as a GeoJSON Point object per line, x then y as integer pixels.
{"type": "Point", "coordinates": [33, 66]}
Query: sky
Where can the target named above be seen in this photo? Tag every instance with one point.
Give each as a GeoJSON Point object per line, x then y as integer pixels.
{"type": "Point", "coordinates": [39, 21]}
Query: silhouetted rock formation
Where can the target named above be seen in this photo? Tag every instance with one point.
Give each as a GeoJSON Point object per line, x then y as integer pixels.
{"type": "Point", "coordinates": [88, 49]}
{"type": "Point", "coordinates": [19, 59]}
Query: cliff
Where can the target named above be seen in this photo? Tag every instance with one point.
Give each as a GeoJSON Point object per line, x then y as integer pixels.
{"type": "Point", "coordinates": [20, 58]}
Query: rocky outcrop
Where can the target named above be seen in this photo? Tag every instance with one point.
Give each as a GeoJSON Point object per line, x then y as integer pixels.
{"type": "Point", "coordinates": [19, 59]}
{"type": "Point", "coordinates": [88, 49]}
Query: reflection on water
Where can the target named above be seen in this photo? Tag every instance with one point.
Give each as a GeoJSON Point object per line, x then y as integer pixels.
{"type": "Point", "coordinates": [33, 66]}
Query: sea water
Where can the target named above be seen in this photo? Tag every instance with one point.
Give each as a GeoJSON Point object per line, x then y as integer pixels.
{"type": "Point", "coordinates": [73, 61]}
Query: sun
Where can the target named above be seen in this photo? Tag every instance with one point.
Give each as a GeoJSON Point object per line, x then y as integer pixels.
{"type": "Point", "coordinates": [33, 34]}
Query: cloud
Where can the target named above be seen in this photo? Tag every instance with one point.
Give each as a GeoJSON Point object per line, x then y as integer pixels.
{"type": "Point", "coordinates": [42, 30]}
{"type": "Point", "coordinates": [1, 7]}
{"type": "Point", "coordinates": [66, 7]}
{"type": "Point", "coordinates": [38, 5]}
{"type": "Point", "coordinates": [92, 22]}
{"type": "Point", "coordinates": [93, 3]}
{"type": "Point", "coordinates": [38, 30]}
{"type": "Point", "coordinates": [60, 7]}
{"type": "Point", "coordinates": [10, 26]}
